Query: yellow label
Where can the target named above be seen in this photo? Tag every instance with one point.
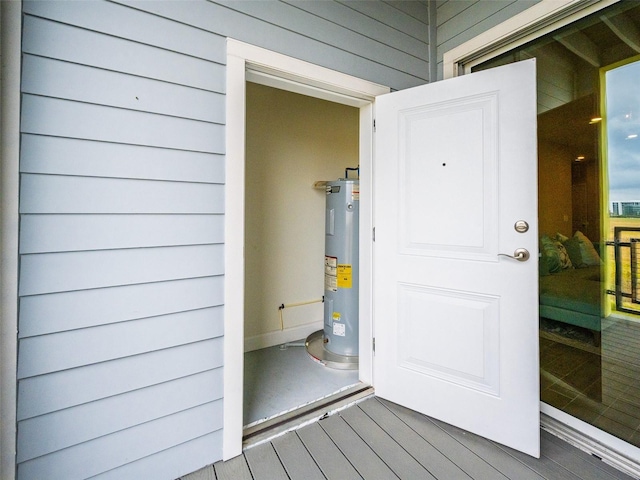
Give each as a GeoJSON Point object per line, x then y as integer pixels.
{"type": "Point", "coordinates": [336, 316]}
{"type": "Point", "coordinates": [344, 276]}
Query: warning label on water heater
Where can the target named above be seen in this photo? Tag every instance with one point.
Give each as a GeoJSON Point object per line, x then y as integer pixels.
{"type": "Point", "coordinates": [345, 276]}
{"type": "Point", "coordinates": [355, 193]}
{"type": "Point", "coordinates": [331, 273]}
{"type": "Point", "coordinates": [339, 329]}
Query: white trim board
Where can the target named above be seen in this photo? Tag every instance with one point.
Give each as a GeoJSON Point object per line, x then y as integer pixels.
{"type": "Point", "coordinates": [540, 19]}
{"type": "Point", "coordinates": [248, 62]}
{"type": "Point", "coordinates": [10, 35]}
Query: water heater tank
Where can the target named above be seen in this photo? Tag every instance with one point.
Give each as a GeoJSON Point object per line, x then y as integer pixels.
{"type": "Point", "coordinates": [341, 267]}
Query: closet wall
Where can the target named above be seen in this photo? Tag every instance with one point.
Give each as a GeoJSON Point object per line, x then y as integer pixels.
{"type": "Point", "coordinates": [292, 141]}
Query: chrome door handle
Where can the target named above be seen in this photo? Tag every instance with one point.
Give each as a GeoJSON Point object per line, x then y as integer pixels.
{"type": "Point", "coordinates": [521, 254]}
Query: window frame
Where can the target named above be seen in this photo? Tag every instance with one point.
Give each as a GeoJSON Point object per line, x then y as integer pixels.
{"type": "Point", "coordinates": [534, 22]}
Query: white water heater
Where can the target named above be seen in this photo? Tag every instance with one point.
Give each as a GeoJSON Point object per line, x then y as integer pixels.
{"type": "Point", "coordinates": [341, 267]}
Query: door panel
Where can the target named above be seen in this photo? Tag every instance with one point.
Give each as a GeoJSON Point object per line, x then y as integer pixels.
{"type": "Point", "coordinates": [453, 343]}
{"type": "Point", "coordinates": [447, 167]}
{"type": "Point", "coordinates": [455, 322]}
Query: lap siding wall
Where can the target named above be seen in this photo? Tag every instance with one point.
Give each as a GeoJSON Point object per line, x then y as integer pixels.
{"type": "Point", "coordinates": [122, 204]}
{"type": "Point", "coordinates": [121, 274]}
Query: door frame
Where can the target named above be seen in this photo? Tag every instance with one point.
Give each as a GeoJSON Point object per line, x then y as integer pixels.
{"type": "Point", "coordinates": [534, 22]}
{"type": "Point", "coordinates": [247, 62]}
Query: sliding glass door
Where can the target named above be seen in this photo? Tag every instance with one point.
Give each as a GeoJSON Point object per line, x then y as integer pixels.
{"type": "Point", "coordinates": [589, 217]}
{"type": "Point", "coordinates": [621, 149]}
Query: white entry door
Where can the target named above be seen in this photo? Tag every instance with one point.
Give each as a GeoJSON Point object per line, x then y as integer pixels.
{"type": "Point", "coordinates": [456, 323]}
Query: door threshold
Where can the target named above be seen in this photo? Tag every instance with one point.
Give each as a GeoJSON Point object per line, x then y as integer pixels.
{"type": "Point", "coordinates": [270, 428]}
{"type": "Point", "coordinates": [608, 448]}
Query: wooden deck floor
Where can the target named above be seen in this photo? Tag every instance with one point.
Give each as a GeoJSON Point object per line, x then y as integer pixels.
{"type": "Point", "coordinates": [380, 440]}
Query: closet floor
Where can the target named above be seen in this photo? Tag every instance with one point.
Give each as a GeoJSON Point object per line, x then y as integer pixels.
{"type": "Point", "coordinates": [277, 380]}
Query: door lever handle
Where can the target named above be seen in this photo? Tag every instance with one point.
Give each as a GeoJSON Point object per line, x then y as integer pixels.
{"type": "Point", "coordinates": [521, 254]}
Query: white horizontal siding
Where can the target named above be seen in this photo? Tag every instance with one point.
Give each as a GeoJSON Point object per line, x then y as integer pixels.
{"type": "Point", "coordinates": [67, 194]}
{"type": "Point", "coordinates": [67, 156]}
{"type": "Point", "coordinates": [63, 118]}
{"type": "Point", "coordinates": [63, 272]}
{"type": "Point", "coordinates": [70, 81]}
{"type": "Point", "coordinates": [105, 133]}
{"type": "Point", "coordinates": [391, 13]}
{"type": "Point", "coordinates": [282, 35]}
{"type": "Point", "coordinates": [78, 45]}
{"type": "Point", "coordinates": [125, 446]}
{"type": "Point", "coordinates": [170, 463]}
{"type": "Point", "coordinates": [417, 9]}
{"type": "Point", "coordinates": [122, 196]}
{"type": "Point", "coordinates": [447, 9]}
{"type": "Point", "coordinates": [71, 426]}
{"type": "Point", "coordinates": [332, 34]}
{"type": "Point", "coordinates": [44, 314]}
{"type": "Point", "coordinates": [107, 232]}
{"type": "Point", "coordinates": [50, 353]}
{"type": "Point", "coordinates": [49, 393]}
{"type": "Point", "coordinates": [474, 18]}
{"type": "Point", "coordinates": [120, 21]}
{"type": "Point", "coordinates": [346, 15]}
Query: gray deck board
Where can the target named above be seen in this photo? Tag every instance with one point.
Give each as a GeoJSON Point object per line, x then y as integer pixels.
{"type": "Point", "coordinates": [366, 462]}
{"type": "Point", "coordinates": [234, 469]}
{"type": "Point", "coordinates": [296, 459]}
{"type": "Point", "coordinates": [499, 459]}
{"type": "Point", "coordinates": [473, 465]}
{"type": "Point", "coordinates": [429, 457]}
{"type": "Point", "coordinates": [264, 463]}
{"type": "Point", "coordinates": [544, 465]}
{"type": "Point", "coordinates": [379, 440]}
{"type": "Point", "coordinates": [205, 473]}
{"type": "Point", "coordinates": [328, 457]}
{"type": "Point", "coordinates": [391, 453]}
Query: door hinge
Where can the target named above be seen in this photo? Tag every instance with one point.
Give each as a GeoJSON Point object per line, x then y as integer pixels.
{"type": "Point", "coordinates": [374, 234]}
{"type": "Point", "coordinates": [374, 125]}
{"type": "Point", "coordinates": [374, 345]}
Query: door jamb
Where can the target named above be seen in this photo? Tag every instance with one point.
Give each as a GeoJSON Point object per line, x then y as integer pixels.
{"type": "Point", "coordinates": [248, 62]}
